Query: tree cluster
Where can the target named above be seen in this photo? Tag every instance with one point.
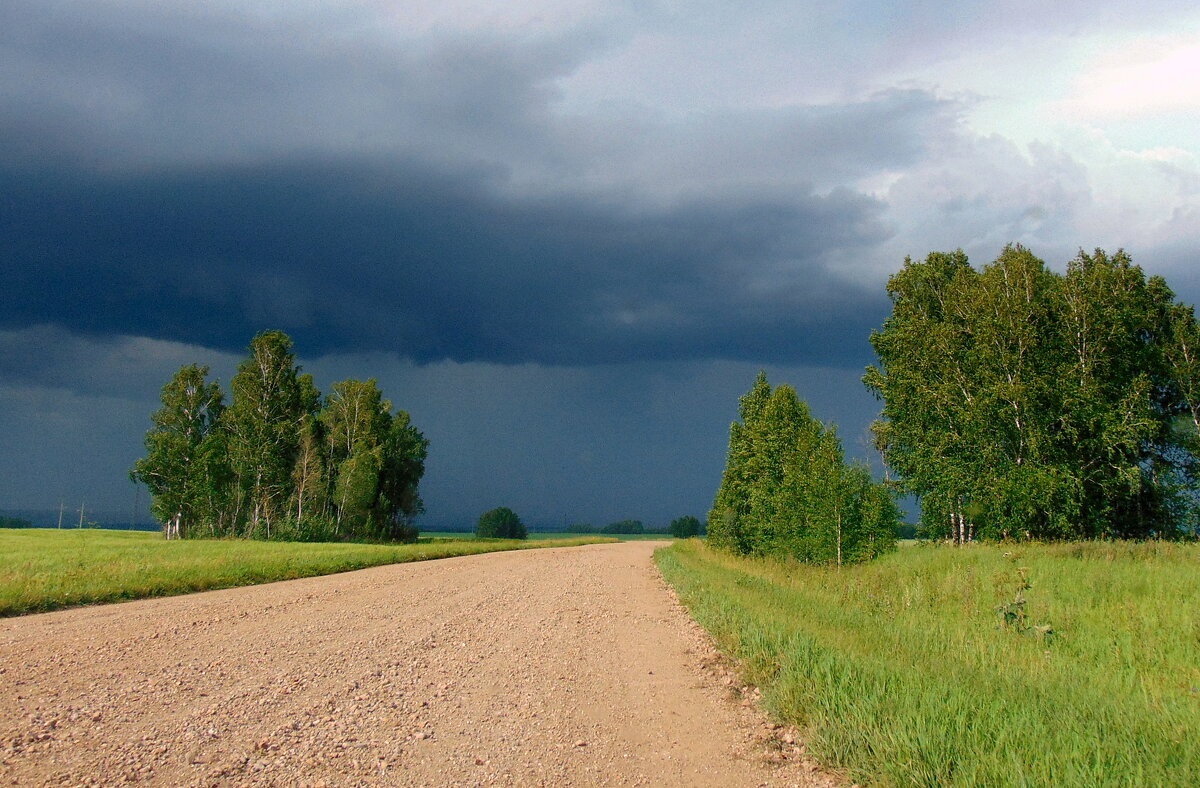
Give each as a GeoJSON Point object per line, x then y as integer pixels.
{"type": "Point", "coordinates": [625, 527]}
{"type": "Point", "coordinates": [1023, 403]}
{"type": "Point", "coordinates": [787, 489]}
{"type": "Point", "coordinates": [501, 523]}
{"type": "Point", "coordinates": [685, 527]}
{"type": "Point", "coordinates": [280, 462]}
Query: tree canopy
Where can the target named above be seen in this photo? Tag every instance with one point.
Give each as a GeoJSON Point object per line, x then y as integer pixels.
{"type": "Point", "coordinates": [684, 527]}
{"type": "Point", "coordinates": [279, 462]}
{"type": "Point", "coordinates": [1019, 402]}
{"type": "Point", "coordinates": [626, 527]}
{"type": "Point", "coordinates": [787, 489]}
{"type": "Point", "coordinates": [500, 523]}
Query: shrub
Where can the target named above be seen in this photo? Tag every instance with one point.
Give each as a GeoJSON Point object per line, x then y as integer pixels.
{"type": "Point", "coordinates": [684, 527]}
{"type": "Point", "coordinates": [501, 523]}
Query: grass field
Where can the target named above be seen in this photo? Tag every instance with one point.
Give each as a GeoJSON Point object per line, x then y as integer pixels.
{"type": "Point", "coordinates": [924, 668]}
{"type": "Point", "coordinates": [45, 569]}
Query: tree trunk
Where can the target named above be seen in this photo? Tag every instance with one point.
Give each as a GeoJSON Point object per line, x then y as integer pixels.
{"type": "Point", "coordinates": [839, 540]}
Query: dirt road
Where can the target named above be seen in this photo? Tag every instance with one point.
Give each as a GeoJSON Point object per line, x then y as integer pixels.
{"type": "Point", "coordinates": [556, 667]}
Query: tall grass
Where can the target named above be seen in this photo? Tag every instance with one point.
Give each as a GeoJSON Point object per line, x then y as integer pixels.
{"type": "Point", "coordinates": [44, 569]}
{"type": "Point", "coordinates": [1063, 665]}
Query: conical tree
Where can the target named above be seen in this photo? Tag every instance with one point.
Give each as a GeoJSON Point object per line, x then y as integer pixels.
{"type": "Point", "coordinates": [788, 491]}
{"type": "Point", "coordinates": [727, 519]}
{"type": "Point", "coordinates": [175, 466]}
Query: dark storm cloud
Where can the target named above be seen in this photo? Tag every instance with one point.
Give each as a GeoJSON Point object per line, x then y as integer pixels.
{"type": "Point", "coordinates": [676, 190]}
{"type": "Point", "coordinates": [129, 85]}
{"type": "Point", "coordinates": [135, 84]}
{"type": "Point", "coordinates": [122, 367]}
{"type": "Point", "coordinates": [358, 255]}
{"type": "Point", "coordinates": [200, 174]}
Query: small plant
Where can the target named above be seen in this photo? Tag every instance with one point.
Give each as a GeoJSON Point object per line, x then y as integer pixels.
{"type": "Point", "coordinates": [1013, 614]}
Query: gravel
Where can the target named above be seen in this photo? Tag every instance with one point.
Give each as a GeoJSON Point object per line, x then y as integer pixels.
{"type": "Point", "coordinates": [552, 667]}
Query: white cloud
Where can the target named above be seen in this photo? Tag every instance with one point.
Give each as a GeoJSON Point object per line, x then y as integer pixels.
{"type": "Point", "coordinates": [1150, 76]}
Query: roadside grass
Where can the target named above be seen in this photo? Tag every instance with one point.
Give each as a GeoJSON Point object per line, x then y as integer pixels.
{"type": "Point", "coordinates": [47, 569]}
{"type": "Point", "coordinates": [924, 668]}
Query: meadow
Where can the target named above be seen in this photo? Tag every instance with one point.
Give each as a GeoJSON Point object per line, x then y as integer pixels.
{"type": "Point", "coordinates": [46, 569]}
{"type": "Point", "coordinates": [1070, 664]}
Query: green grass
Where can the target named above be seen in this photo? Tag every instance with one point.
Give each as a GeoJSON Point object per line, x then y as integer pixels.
{"type": "Point", "coordinates": [903, 672]}
{"type": "Point", "coordinates": [45, 569]}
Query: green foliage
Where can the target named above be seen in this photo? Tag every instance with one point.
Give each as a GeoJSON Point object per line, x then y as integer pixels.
{"type": "Point", "coordinates": [47, 569]}
{"type": "Point", "coordinates": [624, 527]}
{"type": "Point", "coordinates": [732, 505]}
{"type": "Point", "coordinates": [280, 464]}
{"type": "Point", "coordinates": [787, 489]}
{"type": "Point", "coordinates": [1022, 403]}
{"type": "Point", "coordinates": [270, 402]}
{"type": "Point", "coordinates": [404, 453]}
{"type": "Point", "coordinates": [179, 467]}
{"type": "Point", "coordinates": [1067, 664]}
{"type": "Point", "coordinates": [501, 523]}
{"type": "Point", "coordinates": [15, 522]}
{"type": "Point", "coordinates": [685, 527]}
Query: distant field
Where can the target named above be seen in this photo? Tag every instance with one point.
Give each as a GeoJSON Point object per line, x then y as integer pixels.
{"type": "Point", "coordinates": [43, 569]}
{"type": "Point", "coordinates": [539, 535]}
{"type": "Point", "coordinates": [924, 668]}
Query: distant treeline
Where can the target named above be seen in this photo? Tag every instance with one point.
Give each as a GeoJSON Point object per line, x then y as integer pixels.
{"type": "Point", "coordinates": [75, 526]}
{"type": "Point", "coordinates": [681, 527]}
{"type": "Point", "coordinates": [280, 461]}
{"type": "Point", "coordinates": [126, 526]}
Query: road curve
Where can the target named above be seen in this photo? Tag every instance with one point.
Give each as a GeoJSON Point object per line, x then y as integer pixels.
{"type": "Point", "coordinates": [552, 667]}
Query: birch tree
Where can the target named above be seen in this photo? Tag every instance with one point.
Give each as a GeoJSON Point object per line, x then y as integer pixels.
{"type": "Point", "coordinates": [1024, 403]}
{"type": "Point", "coordinates": [404, 454]}
{"type": "Point", "coordinates": [270, 401]}
{"type": "Point", "coordinates": [787, 489]}
{"type": "Point", "coordinates": [175, 468]}
{"type": "Point", "coordinates": [279, 463]}
{"type": "Point", "coordinates": [377, 460]}
{"type": "Point", "coordinates": [727, 519]}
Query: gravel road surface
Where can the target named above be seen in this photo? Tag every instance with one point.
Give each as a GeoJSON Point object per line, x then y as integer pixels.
{"type": "Point", "coordinates": [552, 667]}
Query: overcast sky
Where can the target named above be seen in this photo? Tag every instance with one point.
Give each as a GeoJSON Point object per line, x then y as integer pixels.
{"type": "Point", "coordinates": [563, 234]}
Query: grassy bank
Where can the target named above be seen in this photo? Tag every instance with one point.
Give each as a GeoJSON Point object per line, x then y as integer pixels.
{"type": "Point", "coordinates": [45, 569]}
{"type": "Point", "coordinates": [924, 668]}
